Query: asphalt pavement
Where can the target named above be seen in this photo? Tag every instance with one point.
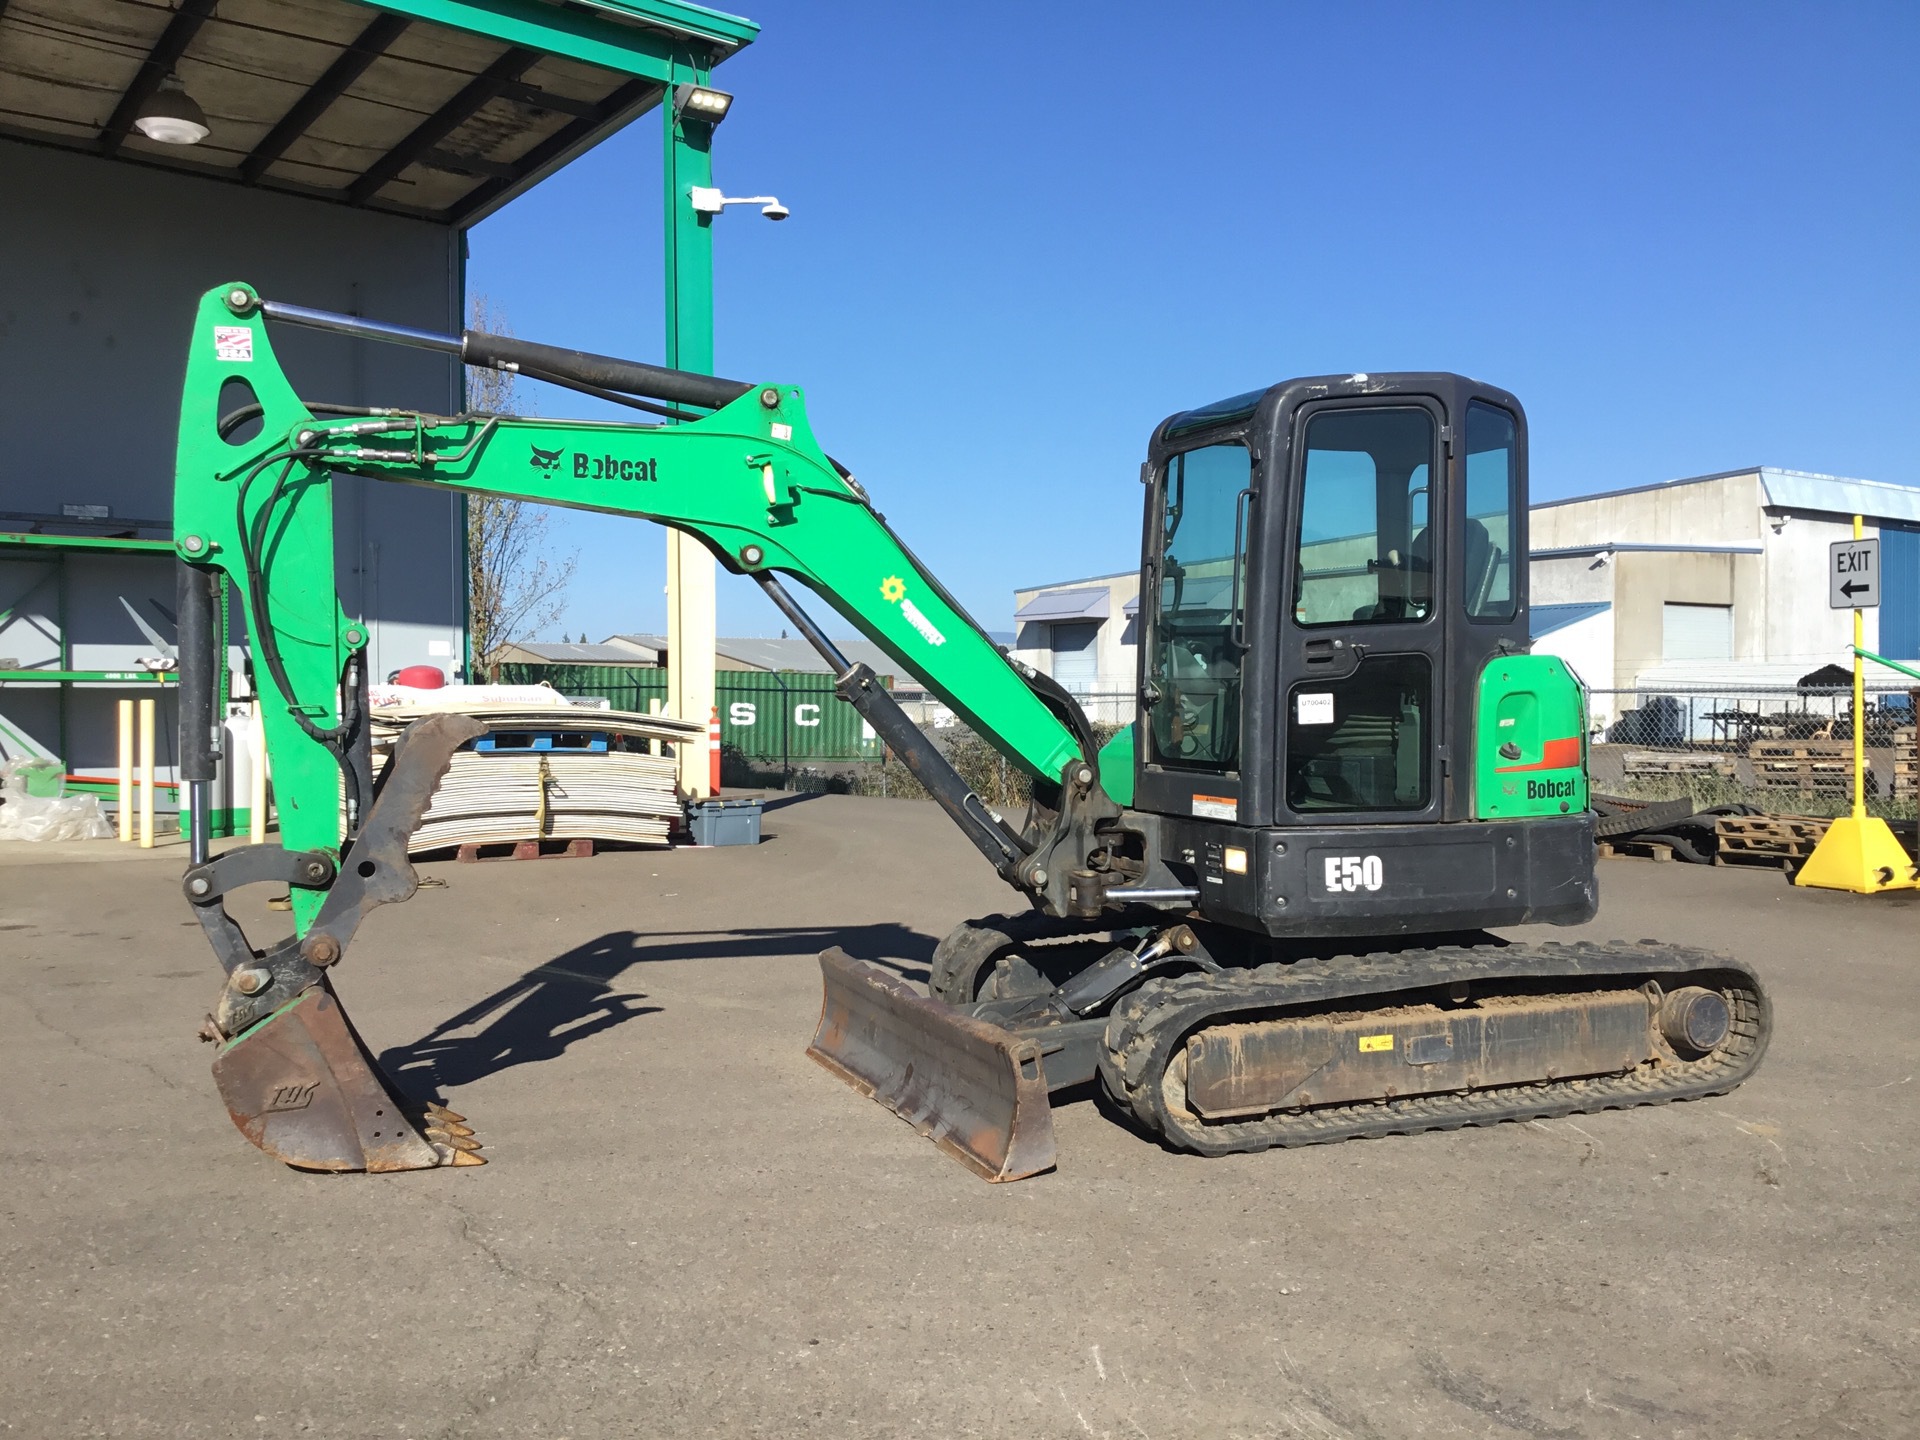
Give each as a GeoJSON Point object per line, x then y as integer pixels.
{"type": "Point", "coordinates": [688, 1229]}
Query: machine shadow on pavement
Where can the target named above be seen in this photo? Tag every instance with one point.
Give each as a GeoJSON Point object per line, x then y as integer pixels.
{"type": "Point", "coordinates": [571, 997]}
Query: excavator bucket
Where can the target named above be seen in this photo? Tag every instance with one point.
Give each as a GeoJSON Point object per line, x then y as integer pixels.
{"type": "Point", "coordinates": [977, 1091]}
{"type": "Point", "coordinates": [303, 1086]}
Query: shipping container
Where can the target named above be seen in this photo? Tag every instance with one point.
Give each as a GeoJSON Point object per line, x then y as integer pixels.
{"type": "Point", "coordinates": [773, 717]}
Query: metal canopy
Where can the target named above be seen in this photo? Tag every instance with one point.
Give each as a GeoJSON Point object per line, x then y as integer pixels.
{"type": "Point", "coordinates": [1094, 603]}
{"type": "Point", "coordinates": [438, 109]}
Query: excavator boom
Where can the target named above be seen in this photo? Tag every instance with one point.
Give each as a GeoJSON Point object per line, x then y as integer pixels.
{"type": "Point", "coordinates": [736, 464]}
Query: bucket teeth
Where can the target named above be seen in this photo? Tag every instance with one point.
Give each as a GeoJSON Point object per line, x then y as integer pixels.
{"type": "Point", "coordinates": [448, 1131]}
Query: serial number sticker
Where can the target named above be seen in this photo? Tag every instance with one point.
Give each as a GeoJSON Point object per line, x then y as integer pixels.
{"type": "Point", "coordinates": [1371, 1043]}
{"type": "Point", "coordinates": [1315, 709]}
{"type": "Point", "coordinates": [780, 430]}
{"type": "Point", "coordinates": [1216, 807]}
{"type": "Point", "coordinates": [232, 342]}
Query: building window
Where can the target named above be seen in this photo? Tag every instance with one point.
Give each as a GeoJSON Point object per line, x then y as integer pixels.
{"type": "Point", "coordinates": [1696, 632]}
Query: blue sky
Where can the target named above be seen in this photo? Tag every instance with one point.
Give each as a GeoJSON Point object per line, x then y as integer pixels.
{"type": "Point", "coordinates": [1684, 235]}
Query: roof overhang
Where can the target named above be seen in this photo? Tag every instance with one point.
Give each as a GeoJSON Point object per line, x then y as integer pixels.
{"type": "Point", "coordinates": [441, 110]}
{"type": "Point", "coordinates": [1093, 603]}
{"type": "Point", "coordinates": [1545, 619]}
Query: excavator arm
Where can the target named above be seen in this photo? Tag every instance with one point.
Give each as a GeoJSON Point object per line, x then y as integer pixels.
{"type": "Point", "coordinates": [739, 467]}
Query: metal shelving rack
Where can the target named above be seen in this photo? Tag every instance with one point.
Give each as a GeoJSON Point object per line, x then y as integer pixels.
{"type": "Point", "coordinates": [56, 549]}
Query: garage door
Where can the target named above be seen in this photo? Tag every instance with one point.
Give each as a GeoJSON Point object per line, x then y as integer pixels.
{"type": "Point", "coordinates": [1696, 632]}
{"type": "Point", "coordinates": [1076, 661]}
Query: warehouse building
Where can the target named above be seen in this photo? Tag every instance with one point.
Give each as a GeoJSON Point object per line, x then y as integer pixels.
{"type": "Point", "coordinates": [333, 153]}
{"type": "Point", "coordinates": [1086, 634]}
{"type": "Point", "coordinates": [1713, 582]}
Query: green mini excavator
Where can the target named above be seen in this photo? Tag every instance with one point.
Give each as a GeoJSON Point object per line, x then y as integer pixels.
{"type": "Point", "coordinates": [1259, 916]}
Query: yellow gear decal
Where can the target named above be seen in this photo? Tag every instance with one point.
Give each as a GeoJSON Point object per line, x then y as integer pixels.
{"type": "Point", "coordinates": [894, 589]}
{"type": "Point", "coordinates": [1375, 1042]}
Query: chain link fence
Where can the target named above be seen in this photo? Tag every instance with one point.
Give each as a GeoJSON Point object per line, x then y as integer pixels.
{"type": "Point", "coordinates": [1777, 749]}
{"type": "Point", "coordinates": [1781, 749]}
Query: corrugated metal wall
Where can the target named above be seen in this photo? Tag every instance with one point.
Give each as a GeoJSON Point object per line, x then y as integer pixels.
{"type": "Point", "coordinates": [772, 716]}
{"type": "Point", "coordinates": [1899, 593]}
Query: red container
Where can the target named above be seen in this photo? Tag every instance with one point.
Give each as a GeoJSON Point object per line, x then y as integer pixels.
{"type": "Point", "coordinates": [421, 677]}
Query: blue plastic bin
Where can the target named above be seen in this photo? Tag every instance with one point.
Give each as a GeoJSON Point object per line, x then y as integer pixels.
{"type": "Point", "coordinates": [724, 821]}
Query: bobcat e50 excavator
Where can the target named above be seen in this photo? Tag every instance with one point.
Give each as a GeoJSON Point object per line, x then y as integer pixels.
{"type": "Point", "coordinates": [1257, 917]}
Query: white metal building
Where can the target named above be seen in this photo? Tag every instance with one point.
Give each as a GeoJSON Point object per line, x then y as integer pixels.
{"type": "Point", "coordinates": [1714, 581]}
{"type": "Point", "coordinates": [1718, 582]}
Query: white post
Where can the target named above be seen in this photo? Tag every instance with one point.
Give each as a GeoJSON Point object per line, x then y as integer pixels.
{"type": "Point", "coordinates": [126, 770]}
{"type": "Point", "coordinates": [257, 775]}
{"type": "Point", "coordinates": [690, 644]}
{"type": "Point", "coordinates": [146, 774]}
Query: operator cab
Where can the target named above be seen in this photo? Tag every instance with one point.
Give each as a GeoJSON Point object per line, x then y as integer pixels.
{"type": "Point", "coordinates": [1328, 566]}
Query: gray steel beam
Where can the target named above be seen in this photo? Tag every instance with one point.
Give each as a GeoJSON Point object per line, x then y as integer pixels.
{"type": "Point", "coordinates": [367, 47]}
{"type": "Point", "coordinates": [443, 122]}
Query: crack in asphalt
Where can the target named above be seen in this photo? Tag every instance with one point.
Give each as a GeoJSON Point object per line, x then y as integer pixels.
{"type": "Point", "coordinates": [33, 1011]}
{"type": "Point", "coordinates": [479, 1397]}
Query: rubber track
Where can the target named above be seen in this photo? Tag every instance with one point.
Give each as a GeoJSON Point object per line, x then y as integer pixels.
{"type": "Point", "coordinates": [1654, 815]}
{"type": "Point", "coordinates": [1149, 1030]}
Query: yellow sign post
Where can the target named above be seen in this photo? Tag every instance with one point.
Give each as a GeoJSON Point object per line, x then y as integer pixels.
{"type": "Point", "coordinates": [1858, 852]}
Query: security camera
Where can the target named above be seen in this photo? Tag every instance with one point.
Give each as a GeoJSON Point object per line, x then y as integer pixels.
{"type": "Point", "coordinates": [775, 211]}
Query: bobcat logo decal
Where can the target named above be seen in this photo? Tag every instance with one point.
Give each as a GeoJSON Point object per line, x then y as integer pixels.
{"type": "Point", "coordinates": [546, 459]}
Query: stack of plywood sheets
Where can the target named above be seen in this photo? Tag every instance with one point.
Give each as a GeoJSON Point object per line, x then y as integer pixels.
{"type": "Point", "coordinates": [551, 773]}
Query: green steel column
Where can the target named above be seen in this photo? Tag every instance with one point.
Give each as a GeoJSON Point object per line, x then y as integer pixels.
{"type": "Point", "coordinates": [689, 314]}
{"type": "Point", "coordinates": [689, 162]}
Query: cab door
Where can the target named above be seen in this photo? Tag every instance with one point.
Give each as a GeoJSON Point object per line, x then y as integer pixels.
{"type": "Point", "coordinates": [1362, 638]}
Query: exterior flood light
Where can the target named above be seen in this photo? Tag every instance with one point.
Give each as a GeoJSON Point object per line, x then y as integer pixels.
{"type": "Point", "coordinates": [708, 200]}
{"type": "Point", "coordinates": [171, 116]}
{"type": "Point", "coordinates": [701, 103]}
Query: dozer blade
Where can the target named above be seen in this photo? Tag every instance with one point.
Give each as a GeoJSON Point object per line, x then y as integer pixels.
{"type": "Point", "coordinates": [303, 1087]}
{"type": "Point", "coordinates": [977, 1091]}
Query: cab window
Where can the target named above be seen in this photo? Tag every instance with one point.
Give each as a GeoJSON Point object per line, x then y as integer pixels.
{"type": "Point", "coordinates": [1492, 513]}
{"type": "Point", "coordinates": [1198, 600]}
{"type": "Point", "coordinates": [1365, 553]}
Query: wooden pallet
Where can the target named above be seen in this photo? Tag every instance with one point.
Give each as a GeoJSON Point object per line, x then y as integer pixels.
{"type": "Point", "coordinates": [1630, 848]}
{"type": "Point", "coordinates": [1780, 840]}
{"type": "Point", "coordinates": [1676, 762]}
{"type": "Point", "coordinates": [1799, 751]}
{"type": "Point", "coordinates": [1821, 782]}
{"type": "Point", "coordinates": [1824, 766]}
{"type": "Point", "coordinates": [528, 850]}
